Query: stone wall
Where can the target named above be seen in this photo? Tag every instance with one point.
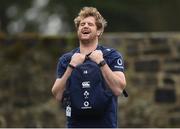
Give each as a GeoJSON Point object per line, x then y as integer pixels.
{"type": "Point", "coordinates": [152, 69]}
{"type": "Point", "coordinates": [152, 63]}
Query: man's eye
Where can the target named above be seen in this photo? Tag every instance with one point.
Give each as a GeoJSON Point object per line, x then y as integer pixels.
{"type": "Point", "coordinates": [82, 24]}
{"type": "Point", "coordinates": [90, 24]}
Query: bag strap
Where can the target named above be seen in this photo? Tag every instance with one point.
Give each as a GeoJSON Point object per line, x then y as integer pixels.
{"type": "Point", "coordinates": [105, 53]}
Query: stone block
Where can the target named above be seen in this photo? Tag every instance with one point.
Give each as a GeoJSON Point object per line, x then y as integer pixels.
{"type": "Point", "coordinates": [151, 80]}
{"type": "Point", "coordinates": [28, 41]}
{"type": "Point", "coordinates": [112, 41]}
{"type": "Point", "coordinates": [173, 70]}
{"type": "Point", "coordinates": [47, 42]}
{"type": "Point", "coordinates": [169, 82]}
{"type": "Point", "coordinates": [174, 121]}
{"type": "Point", "coordinates": [174, 110]}
{"type": "Point", "coordinates": [132, 50]}
{"type": "Point", "coordinates": [20, 102]}
{"type": "Point", "coordinates": [165, 96]}
{"type": "Point", "coordinates": [158, 41]}
{"type": "Point", "coordinates": [160, 50]}
{"type": "Point", "coordinates": [172, 60]}
{"type": "Point", "coordinates": [147, 66]}
{"type": "Point", "coordinates": [146, 81]}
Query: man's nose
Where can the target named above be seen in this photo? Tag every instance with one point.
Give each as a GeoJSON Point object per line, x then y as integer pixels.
{"type": "Point", "coordinates": [86, 25]}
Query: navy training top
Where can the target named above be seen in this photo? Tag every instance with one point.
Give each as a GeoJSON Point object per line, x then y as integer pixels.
{"type": "Point", "coordinates": [109, 119]}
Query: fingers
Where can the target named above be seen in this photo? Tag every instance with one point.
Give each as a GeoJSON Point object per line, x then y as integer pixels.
{"type": "Point", "coordinates": [96, 56]}
{"type": "Point", "coordinates": [77, 59]}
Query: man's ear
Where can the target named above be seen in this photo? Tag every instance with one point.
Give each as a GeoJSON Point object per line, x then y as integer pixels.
{"type": "Point", "coordinates": [98, 33]}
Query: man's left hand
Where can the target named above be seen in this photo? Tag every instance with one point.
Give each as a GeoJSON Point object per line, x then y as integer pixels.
{"type": "Point", "coordinates": [96, 56]}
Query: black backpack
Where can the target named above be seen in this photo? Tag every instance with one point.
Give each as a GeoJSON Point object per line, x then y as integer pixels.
{"type": "Point", "coordinates": [87, 93]}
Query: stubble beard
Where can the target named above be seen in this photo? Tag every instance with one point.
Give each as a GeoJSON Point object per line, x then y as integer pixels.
{"type": "Point", "coordinates": [87, 41]}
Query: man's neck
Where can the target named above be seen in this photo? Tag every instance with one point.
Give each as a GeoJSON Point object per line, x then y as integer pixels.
{"type": "Point", "coordinates": [87, 47]}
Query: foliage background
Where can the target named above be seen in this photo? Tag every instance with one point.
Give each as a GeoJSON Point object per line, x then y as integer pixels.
{"type": "Point", "coordinates": [56, 17]}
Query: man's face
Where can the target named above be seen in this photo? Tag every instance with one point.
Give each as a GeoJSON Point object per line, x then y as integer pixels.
{"type": "Point", "coordinates": [87, 30]}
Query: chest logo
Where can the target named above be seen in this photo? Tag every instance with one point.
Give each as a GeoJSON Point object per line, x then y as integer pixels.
{"type": "Point", "coordinates": [86, 84]}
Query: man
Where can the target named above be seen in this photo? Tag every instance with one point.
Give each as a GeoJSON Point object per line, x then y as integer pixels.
{"type": "Point", "coordinates": [90, 26]}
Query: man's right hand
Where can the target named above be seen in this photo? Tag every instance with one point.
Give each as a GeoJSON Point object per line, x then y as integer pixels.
{"type": "Point", "coordinates": [77, 59]}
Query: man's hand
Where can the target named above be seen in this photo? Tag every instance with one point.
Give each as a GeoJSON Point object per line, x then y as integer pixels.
{"type": "Point", "coordinates": [77, 59]}
{"type": "Point", "coordinates": [96, 56]}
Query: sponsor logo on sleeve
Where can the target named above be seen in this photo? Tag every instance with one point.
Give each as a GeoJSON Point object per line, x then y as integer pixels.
{"type": "Point", "coordinates": [119, 64]}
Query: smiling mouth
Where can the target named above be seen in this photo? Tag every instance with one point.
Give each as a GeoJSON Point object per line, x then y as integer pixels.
{"type": "Point", "coordinates": [85, 32]}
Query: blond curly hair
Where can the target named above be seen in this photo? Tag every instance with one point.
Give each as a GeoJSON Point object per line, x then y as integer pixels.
{"type": "Point", "coordinates": [101, 23]}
